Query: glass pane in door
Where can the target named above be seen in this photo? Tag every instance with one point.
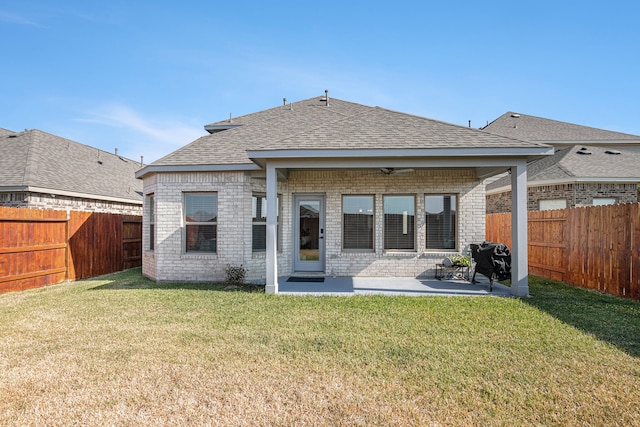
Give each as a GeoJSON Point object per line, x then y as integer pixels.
{"type": "Point", "coordinates": [309, 212]}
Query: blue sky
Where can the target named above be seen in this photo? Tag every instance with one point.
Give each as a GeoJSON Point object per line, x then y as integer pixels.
{"type": "Point", "coordinates": [146, 76]}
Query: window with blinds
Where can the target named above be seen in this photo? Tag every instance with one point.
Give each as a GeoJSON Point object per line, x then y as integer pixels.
{"type": "Point", "coordinates": [259, 223]}
{"type": "Point", "coordinates": [152, 221]}
{"type": "Point", "coordinates": [201, 222]}
{"type": "Point", "coordinates": [357, 222]}
{"type": "Point", "coordinates": [441, 221]}
{"type": "Point", "coordinates": [399, 222]}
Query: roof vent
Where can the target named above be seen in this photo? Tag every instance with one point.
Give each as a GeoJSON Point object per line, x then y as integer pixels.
{"type": "Point", "coordinates": [584, 151]}
{"type": "Point", "coordinates": [515, 115]}
{"type": "Point", "coordinates": [13, 135]}
{"type": "Point", "coordinates": [326, 98]}
{"type": "Point", "coordinates": [614, 152]}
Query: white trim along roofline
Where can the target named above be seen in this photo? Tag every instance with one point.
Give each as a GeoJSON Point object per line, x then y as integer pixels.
{"type": "Point", "coordinates": [404, 152]}
{"type": "Point", "coordinates": [196, 168]}
{"type": "Point", "coordinates": [69, 194]}
{"type": "Point", "coordinates": [566, 181]}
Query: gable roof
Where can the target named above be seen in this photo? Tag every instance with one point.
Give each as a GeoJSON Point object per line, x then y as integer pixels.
{"type": "Point", "coordinates": [5, 132]}
{"type": "Point", "coordinates": [532, 128]}
{"type": "Point", "coordinates": [38, 161]}
{"type": "Point", "coordinates": [579, 163]}
{"type": "Point", "coordinates": [316, 127]}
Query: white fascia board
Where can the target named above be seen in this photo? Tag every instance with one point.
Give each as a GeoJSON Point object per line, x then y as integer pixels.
{"type": "Point", "coordinates": [13, 189]}
{"type": "Point", "coordinates": [390, 162]}
{"type": "Point", "coordinates": [82, 195]}
{"type": "Point", "coordinates": [592, 142]}
{"type": "Point", "coordinates": [196, 168]}
{"type": "Point", "coordinates": [567, 181]}
{"type": "Point", "coordinates": [412, 152]}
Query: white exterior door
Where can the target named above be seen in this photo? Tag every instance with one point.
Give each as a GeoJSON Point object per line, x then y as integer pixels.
{"type": "Point", "coordinates": [308, 233]}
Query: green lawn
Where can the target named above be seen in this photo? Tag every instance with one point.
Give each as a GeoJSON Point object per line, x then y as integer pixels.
{"type": "Point", "coordinates": [121, 350]}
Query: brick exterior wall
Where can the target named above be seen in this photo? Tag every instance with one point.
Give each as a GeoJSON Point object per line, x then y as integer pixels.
{"type": "Point", "coordinates": [169, 262]}
{"type": "Point", "coordinates": [48, 201]}
{"type": "Point", "coordinates": [576, 195]}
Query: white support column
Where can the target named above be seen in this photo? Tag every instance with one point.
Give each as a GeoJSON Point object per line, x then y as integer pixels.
{"type": "Point", "coordinates": [519, 249]}
{"type": "Point", "coordinates": [272, 230]}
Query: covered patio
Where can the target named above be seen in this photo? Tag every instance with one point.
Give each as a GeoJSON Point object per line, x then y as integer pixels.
{"type": "Point", "coordinates": [391, 286]}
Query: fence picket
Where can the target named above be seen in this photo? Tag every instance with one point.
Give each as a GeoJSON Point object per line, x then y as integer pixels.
{"type": "Point", "coordinates": [44, 247]}
{"type": "Point", "coordinates": [594, 247]}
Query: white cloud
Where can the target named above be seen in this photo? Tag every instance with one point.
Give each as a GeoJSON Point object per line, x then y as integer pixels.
{"type": "Point", "coordinates": [13, 18]}
{"type": "Point", "coordinates": [137, 134]}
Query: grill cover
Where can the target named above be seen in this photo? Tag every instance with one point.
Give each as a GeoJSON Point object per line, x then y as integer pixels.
{"type": "Point", "coordinates": [492, 260]}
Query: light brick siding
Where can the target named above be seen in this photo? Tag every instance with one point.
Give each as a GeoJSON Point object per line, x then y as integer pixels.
{"type": "Point", "coordinates": [169, 262]}
{"type": "Point", "coordinates": [48, 201]}
{"type": "Point", "coordinates": [576, 195]}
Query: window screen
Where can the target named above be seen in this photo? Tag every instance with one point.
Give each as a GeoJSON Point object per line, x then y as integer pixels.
{"type": "Point", "coordinates": [399, 222]}
{"type": "Point", "coordinates": [152, 222]}
{"type": "Point", "coordinates": [357, 222]}
{"type": "Point", "coordinates": [441, 221]}
{"type": "Point", "coordinates": [201, 216]}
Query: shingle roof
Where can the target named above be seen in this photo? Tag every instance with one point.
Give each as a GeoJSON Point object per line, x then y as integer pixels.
{"type": "Point", "coordinates": [386, 129]}
{"type": "Point", "coordinates": [312, 125]}
{"type": "Point", "coordinates": [34, 158]}
{"type": "Point", "coordinates": [531, 128]}
{"type": "Point", "coordinates": [571, 164]}
{"type": "Point", "coordinates": [5, 132]}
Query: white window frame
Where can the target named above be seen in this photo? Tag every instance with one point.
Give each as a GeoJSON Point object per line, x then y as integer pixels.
{"type": "Point", "coordinates": [373, 224]}
{"type": "Point", "coordinates": [263, 220]}
{"type": "Point", "coordinates": [188, 223]}
{"type": "Point", "coordinates": [453, 197]}
{"type": "Point", "coordinates": [152, 222]}
{"type": "Point", "coordinates": [552, 204]}
{"type": "Point", "coordinates": [602, 201]}
{"type": "Point", "coordinates": [405, 223]}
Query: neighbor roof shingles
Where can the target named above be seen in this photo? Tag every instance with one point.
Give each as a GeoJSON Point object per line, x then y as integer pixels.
{"type": "Point", "coordinates": [568, 164]}
{"type": "Point", "coordinates": [532, 128]}
{"type": "Point", "coordinates": [34, 158]}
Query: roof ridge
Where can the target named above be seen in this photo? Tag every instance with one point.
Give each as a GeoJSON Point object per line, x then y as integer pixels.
{"type": "Point", "coordinates": [290, 106]}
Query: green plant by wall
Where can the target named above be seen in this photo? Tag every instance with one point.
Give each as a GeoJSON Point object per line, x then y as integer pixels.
{"type": "Point", "coordinates": [460, 260]}
{"type": "Point", "coordinates": [235, 275]}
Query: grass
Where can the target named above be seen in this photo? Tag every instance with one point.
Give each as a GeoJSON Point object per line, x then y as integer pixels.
{"type": "Point", "coordinates": [122, 350]}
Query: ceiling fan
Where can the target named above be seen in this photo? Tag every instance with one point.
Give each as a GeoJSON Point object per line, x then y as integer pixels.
{"type": "Point", "coordinates": [392, 171]}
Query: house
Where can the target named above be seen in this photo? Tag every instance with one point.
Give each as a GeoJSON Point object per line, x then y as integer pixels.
{"type": "Point", "coordinates": [575, 176]}
{"type": "Point", "coordinates": [327, 187]}
{"type": "Point", "coordinates": [45, 171]}
{"type": "Point", "coordinates": [590, 167]}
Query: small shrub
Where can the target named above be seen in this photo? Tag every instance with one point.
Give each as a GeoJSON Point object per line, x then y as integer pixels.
{"type": "Point", "coordinates": [235, 275]}
{"type": "Point", "coordinates": [460, 260]}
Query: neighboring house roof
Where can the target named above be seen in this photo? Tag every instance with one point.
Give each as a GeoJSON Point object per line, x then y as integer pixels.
{"type": "Point", "coordinates": [319, 128]}
{"type": "Point", "coordinates": [579, 163]}
{"type": "Point", "coordinates": [531, 128]}
{"type": "Point", "coordinates": [5, 132]}
{"type": "Point", "coordinates": [38, 161]}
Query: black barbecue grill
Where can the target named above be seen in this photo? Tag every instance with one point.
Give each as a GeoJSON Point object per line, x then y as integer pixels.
{"type": "Point", "coordinates": [493, 260]}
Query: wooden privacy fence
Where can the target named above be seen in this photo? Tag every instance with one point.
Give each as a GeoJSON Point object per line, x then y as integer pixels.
{"type": "Point", "coordinates": [43, 247]}
{"type": "Point", "coordinates": [596, 247]}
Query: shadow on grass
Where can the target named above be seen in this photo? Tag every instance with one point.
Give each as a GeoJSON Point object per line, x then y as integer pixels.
{"type": "Point", "coordinates": [132, 279]}
{"type": "Point", "coordinates": [608, 318]}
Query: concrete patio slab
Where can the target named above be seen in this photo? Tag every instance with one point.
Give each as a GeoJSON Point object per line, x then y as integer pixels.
{"type": "Point", "coordinates": [392, 286]}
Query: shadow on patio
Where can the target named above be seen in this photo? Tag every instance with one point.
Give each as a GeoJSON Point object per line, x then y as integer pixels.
{"type": "Point", "coordinates": [406, 286]}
